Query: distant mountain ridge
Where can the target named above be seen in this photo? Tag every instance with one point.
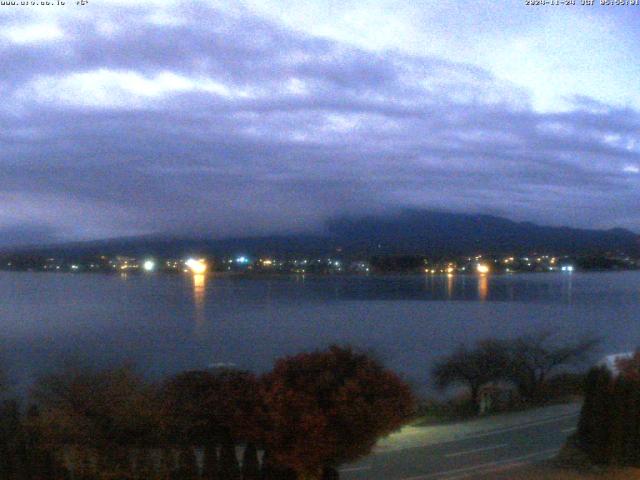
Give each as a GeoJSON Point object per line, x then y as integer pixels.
{"type": "Point", "coordinates": [411, 231]}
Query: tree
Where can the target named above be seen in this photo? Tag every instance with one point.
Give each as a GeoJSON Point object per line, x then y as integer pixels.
{"type": "Point", "coordinates": [109, 412]}
{"type": "Point", "coordinates": [210, 462]}
{"type": "Point", "coordinates": [272, 471]}
{"type": "Point", "coordinates": [629, 370]}
{"type": "Point", "coordinates": [229, 467]}
{"type": "Point", "coordinates": [328, 407]}
{"type": "Point", "coordinates": [250, 464]}
{"type": "Point", "coordinates": [212, 409]}
{"type": "Point", "coordinates": [187, 464]}
{"type": "Point", "coordinates": [188, 409]}
{"type": "Point", "coordinates": [201, 407]}
{"type": "Point", "coordinates": [12, 452]}
{"type": "Point", "coordinates": [473, 368]}
{"type": "Point", "coordinates": [330, 473]}
{"type": "Point", "coordinates": [3, 381]}
{"type": "Point", "coordinates": [608, 427]}
{"type": "Point", "coordinates": [629, 367]}
{"type": "Point", "coordinates": [589, 425]}
{"type": "Point", "coordinates": [43, 465]}
{"type": "Point", "coordinates": [532, 359]}
{"type": "Point", "coordinates": [239, 405]}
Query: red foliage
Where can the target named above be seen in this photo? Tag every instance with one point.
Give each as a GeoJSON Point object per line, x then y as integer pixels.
{"type": "Point", "coordinates": [630, 367]}
{"type": "Point", "coordinates": [205, 406]}
{"type": "Point", "coordinates": [328, 407]}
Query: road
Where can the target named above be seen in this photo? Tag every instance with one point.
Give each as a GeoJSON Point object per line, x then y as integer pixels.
{"type": "Point", "coordinates": [480, 447]}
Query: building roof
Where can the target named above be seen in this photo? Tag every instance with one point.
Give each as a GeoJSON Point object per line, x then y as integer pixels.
{"type": "Point", "coordinates": [610, 361]}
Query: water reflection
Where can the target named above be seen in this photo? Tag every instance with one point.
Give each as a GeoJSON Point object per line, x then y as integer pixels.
{"type": "Point", "coordinates": [568, 288]}
{"type": "Point", "coordinates": [483, 287]}
{"type": "Point", "coordinates": [449, 286]}
{"type": "Point", "coordinates": [199, 292]}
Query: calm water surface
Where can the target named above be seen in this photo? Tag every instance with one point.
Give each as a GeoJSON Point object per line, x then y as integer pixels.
{"type": "Point", "coordinates": [170, 323]}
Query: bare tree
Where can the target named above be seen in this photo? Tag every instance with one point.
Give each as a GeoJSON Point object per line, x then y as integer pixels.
{"type": "Point", "coordinates": [533, 358]}
{"type": "Point", "coordinates": [472, 368]}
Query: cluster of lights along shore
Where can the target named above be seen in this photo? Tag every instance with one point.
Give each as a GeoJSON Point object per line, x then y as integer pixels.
{"type": "Point", "coordinates": [329, 264]}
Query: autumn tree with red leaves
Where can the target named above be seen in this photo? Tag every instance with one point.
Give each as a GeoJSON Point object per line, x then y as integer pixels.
{"type": "Point", "coordinates": [214, 410]}
{"type": "Point", "coordinates": [629, 367]}
{"type": "Point", "coordinates": [100, 415]}
{"type": "Point", "coordinates": [329, 407]}
{"type": "Point", "coordinates": [203, 406]}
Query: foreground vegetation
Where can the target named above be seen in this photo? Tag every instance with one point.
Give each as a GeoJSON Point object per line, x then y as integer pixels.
{"type": "Point", "coordinates": [552, 472]}
{"type": "Point", "coordinates": [609, 428]}
{"type": "Point", "coordinates": [311, 413]}
{"type": "Point", "coordinates": [512, 374]}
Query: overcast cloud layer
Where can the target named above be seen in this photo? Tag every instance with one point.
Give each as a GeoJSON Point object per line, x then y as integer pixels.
{"type": "Point", "coordinates": [219, 119]}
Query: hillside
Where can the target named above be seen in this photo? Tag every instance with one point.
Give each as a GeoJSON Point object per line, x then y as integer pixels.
{"type": "Point", "coordinates": [409, 232]}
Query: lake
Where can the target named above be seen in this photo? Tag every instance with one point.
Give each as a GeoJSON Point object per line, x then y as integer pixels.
{"type": "Point", "coordinates": [167, 323]}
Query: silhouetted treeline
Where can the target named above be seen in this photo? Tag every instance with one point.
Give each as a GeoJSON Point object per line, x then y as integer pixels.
{"type": "Point", "coordinates": [529, 365]}
{"type": "Point", "coordinates": [312, 413]}
{"type": "Point", "coordinates": [398, 264]}
{"type": "Point", "coordinates": [22, 453]}
{"type": "Point", "coordinates": [603, 262]}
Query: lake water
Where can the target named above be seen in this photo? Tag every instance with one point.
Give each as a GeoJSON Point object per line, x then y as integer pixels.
{"type": "Point", "coordinates": [166, 323]}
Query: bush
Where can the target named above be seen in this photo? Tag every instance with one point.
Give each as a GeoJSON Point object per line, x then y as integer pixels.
{"type": "Point", "coordinates": [609, 427]}
{"type": "Point", "coordinates": [328, 407]}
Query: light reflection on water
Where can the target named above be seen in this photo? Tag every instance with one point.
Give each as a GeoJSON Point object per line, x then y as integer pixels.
{"type": "Point", "coordinates": [483, 287]}
{"type": "Point", "coordinates": [450, 280]}
{"type": "Point", "coordinates": [199, 294]}
{"type": "Point", "coordinates": [172, 322]}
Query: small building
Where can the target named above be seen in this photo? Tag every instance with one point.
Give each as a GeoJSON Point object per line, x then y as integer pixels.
{"type": "Point", "coordinates": [611, 361]}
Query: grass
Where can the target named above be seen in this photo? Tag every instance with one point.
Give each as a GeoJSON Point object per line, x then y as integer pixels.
{"type": "Point", "coordinates": [570, 464]}
{"type": "Point", "coordinates": [433, 412]}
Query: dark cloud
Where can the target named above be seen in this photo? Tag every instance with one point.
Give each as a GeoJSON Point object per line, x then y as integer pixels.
{"type": "Point", "coordinates": [228, 124]}
{"type": "Point", "coordinates": [28, 234]}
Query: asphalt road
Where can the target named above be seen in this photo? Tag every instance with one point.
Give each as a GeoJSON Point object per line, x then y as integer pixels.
{"type": "Point", "coordinates": [531, 439]}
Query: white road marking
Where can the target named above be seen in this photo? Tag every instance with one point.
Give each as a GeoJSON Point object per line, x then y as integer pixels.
{"type": "Point", "coordinates": [475, 450]}
{"type": "Point", "coordinates": [569, 430]}
{"type": "Point", "coordinates": [354, 469]}
{"type": "Point", "coordinates": [498, 431]}
{"type": "Point", "coordinates": [466, 471]}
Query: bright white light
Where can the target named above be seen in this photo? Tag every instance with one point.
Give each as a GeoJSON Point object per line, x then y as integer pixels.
{"type": "Point", "coordinates": [197, 266]}
{"type": "Point", "coordinates": [149, 266]}
{"type": "Point", "coordinates": [483, 268]}
{"type": "Point", "coordinates": [567, 268]}
{"type": "Point", "coordinates": [242, 259]}
{"type": "Point", "coordinates": [631, 169]}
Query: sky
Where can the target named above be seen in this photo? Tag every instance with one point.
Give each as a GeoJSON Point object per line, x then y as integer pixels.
{"type": "Point", "coordinates": [246, 117]}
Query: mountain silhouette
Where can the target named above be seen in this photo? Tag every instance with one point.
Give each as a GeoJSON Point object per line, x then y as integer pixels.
{"type": "Point", "coordinates": [410, 231]}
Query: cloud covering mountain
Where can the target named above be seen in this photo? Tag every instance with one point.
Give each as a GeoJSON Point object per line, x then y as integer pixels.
{"type": "Point", "coordinates": [225, 119]}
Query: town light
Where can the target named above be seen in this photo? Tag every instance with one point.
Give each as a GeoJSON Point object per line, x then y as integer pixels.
{"type": "Point", "coordinates": [483, 268]}
{"type": "Point", "coordinates": [197, 266]}
{"type": "Point", "coordinates": [149, 265]}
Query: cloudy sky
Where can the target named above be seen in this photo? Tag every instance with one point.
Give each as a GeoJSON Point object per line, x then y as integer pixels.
{"type": "Point", "coordinates": [253, 116]}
